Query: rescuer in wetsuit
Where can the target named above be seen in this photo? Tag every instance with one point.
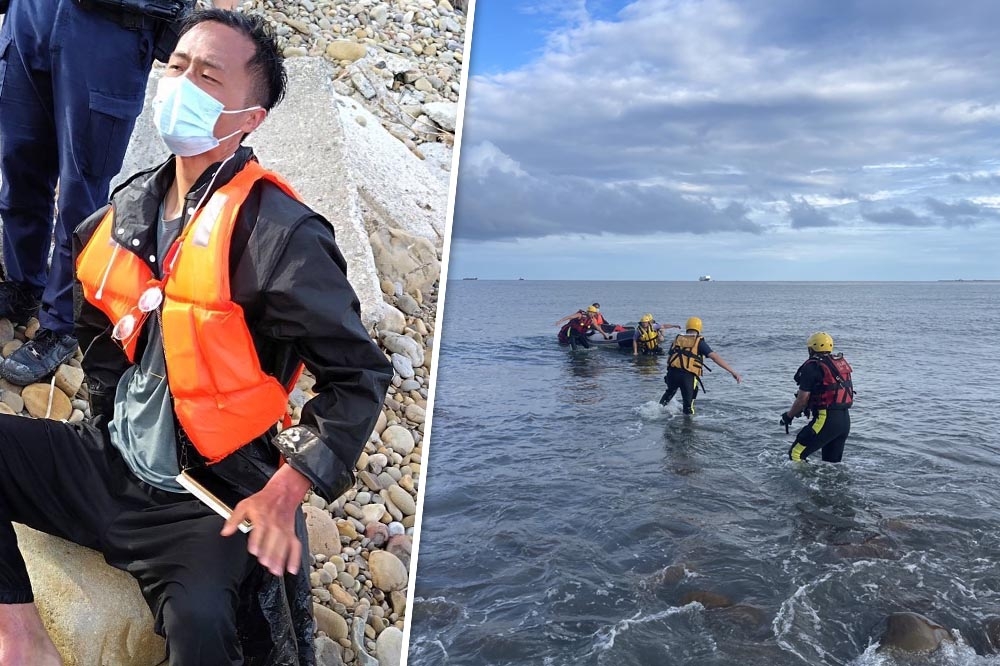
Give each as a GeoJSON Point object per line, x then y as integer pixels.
{"type": "Point", "coordinates": [686, 361]}
{"type": "Point", "coordinates": [580, 326]}
{"type": "Point", "coordinates": [648, 336]}
{"type": "Point", "coordinates": [827, 392]}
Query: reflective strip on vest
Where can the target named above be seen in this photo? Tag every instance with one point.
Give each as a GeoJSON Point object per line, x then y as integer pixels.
{"type": "Point", "coordinates": [222, 397]}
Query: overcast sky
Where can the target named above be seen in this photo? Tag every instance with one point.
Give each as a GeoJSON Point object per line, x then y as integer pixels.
{"type": "Point", "coordinates": [749, 140]}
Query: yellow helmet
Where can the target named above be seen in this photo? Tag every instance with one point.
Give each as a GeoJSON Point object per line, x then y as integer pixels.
{"type": "Point", "coordinates": [646, 318]}
{"type": "Point", "coordinates": [592, 309]}
{"type": "Point", "coordinates": [820, 342]}
{"type": "Point", "coordinates": [693, 323]}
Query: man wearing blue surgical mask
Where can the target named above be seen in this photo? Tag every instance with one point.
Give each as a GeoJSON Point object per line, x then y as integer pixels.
{"type": "Point", "coordinates": [72, 82]}
{"type": "Point", "coordinates": [203, 289]}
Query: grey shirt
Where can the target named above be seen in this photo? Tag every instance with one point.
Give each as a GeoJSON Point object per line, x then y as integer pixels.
{"type": "Point", "coordinates": [143, 425]}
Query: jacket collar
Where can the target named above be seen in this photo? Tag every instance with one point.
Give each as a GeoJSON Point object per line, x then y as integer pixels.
{"type": "Point", "coordinates": [137, 201]}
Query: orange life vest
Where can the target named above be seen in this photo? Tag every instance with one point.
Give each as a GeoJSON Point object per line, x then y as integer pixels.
{"type": "Point", "coordinates": [222, 397]}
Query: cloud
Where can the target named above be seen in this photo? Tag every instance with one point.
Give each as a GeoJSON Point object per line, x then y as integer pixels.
{"type": "Point", "coordinates": [674, 116]}
{"type": "Point", "coordinates": [962, 213]}
{"type": "Point", "coordinates": [980, 178]}
{"type": "Point", "coordinates": [898, 216]}
{"type": "Point", "coordinates": [498, 200]}
{"type": "Point", "coordinates": [805, 216]}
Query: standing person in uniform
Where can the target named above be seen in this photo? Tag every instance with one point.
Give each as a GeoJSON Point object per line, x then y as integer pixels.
{"type": "Point", "coordinates": [686, 361]}
{"type": "Point", "coordinates": [826, 391]}
{"type": "Point", "coordinates": [203, 289]}
{"type": "Point", "coordinates": [648, 336]}
{"type": "Point", "coordinates": [72, 81]}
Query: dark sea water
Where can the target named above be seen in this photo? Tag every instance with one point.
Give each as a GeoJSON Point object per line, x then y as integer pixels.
{"type": "Point", "coordinates": [559, 492]}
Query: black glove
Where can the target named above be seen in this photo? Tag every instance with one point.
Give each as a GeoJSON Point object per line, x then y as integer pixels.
{"type": "Point", "coordinates": [786, 420]}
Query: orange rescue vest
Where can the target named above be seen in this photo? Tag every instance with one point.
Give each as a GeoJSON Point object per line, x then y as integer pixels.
{"type": "Point", "coordinates": [222, 397]}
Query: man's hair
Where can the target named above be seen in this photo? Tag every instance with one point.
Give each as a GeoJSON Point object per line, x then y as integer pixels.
{"type": "Point", "coordinates": [266, 66]}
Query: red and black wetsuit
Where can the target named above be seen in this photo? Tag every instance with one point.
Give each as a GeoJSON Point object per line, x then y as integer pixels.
{"type": "Point", "coordinates": [827, 378]}
{"type": "Point", "coordinates": [579, 328]}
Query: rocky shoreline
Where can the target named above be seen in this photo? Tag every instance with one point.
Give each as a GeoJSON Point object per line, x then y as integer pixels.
{"type": "Point", "coordinates": [361, 544]}
{"type": "Point", "coordinates": [402, 59]}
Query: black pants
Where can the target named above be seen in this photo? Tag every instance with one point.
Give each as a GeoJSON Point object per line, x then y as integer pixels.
{"type": "Point", "coordinates": [578, 338]}
{"type": "Point", "coordinates": [66, 480]}
{"type": "Point", "coordinates": [688, 384]}
{"type": "Point", "coordinates": [828, 430]}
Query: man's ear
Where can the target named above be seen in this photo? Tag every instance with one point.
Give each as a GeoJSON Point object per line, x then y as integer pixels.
{"type": "Point", "coordinates": [254, 120]}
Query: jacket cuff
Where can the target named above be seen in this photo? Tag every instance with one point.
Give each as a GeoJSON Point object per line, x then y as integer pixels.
{"type": "Point", "coordinates": [303, 449]}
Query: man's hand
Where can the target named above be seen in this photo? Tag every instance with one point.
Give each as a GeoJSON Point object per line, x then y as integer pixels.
{"type": "Point", "coordinates": [272, 513]}
{"type": "Point", "coordinates": [786, 421]}
{"type": "Point", "coordinates": [226, 4]}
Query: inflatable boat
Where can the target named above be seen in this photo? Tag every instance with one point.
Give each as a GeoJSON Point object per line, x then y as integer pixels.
{"type": "Point", "coordinates": [620, 336]}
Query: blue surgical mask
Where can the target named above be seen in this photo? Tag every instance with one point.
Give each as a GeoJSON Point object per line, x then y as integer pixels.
{"type": "Point", "coordinates": [185, 116]}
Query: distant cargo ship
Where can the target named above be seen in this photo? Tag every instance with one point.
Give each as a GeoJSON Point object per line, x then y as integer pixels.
{"type": "Point", "coordinates": [705, 278]}
{"type": "Point", "coordinates": [475, 278]}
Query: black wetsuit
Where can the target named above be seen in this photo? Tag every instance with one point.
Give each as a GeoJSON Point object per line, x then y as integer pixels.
{"type": "Point", "coordinates": [828, 429]}
{"type": "Point", "coordinates": [577, 338]}
{"type": "Point", "coordinates": [687, 382]}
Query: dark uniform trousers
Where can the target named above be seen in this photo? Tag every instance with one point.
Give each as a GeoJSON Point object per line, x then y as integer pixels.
{"type": "Point", "coordinates": [686, 382]}
{"type": "Point", "coordinates": [72, 82]}
{"type": "Point", "coordinates": [67, 480]}
{"type": "Point", "coordinates": [828, 430]}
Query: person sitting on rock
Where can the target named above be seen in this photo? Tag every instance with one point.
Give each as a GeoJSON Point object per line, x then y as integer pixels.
{"type": "Point", "coordinates": [202, 289]}
{"type": "Point", "coordinates": [648, 336]}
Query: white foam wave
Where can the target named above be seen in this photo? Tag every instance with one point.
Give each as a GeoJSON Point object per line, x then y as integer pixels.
{"type": "Point", "coordinates": [604, 639]}
{"type": "Point", "coordinates": [423, 650]}
{"type": "Point", "coordinates": [652, 411]}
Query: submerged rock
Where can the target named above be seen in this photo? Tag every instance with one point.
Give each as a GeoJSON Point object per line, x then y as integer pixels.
{"type": "Point", "coordinates": [872, 547]}
{"type": "Point", "coordinates": [669, 575]}
{"type": "Point", "coordinates": [991, 626]}
{"type": "Point", "coordinates": [912, 632]}
{"type": "Point", "coordinates": [706, 599]}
